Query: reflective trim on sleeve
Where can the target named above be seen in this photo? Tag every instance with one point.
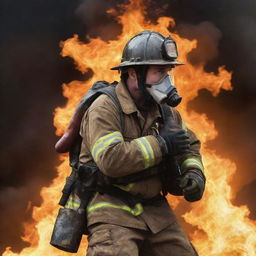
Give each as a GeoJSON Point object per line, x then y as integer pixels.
{"type": "Point", "coordinates": [73, 202]}
{"type": "Point", "coordinates": [103, 142]}
{"type": "Point", "coordinates": [137, 210]}
{"type": "Point", "coordinates": [190, 162]}
{"type": "Point", "coordinates": [126, 187]}
{"type": "Point", "coordinates": [147, 151]}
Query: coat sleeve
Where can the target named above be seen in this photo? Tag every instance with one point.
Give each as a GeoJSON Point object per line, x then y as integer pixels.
{"type": "Point", "coordinates": [191, 159]}
{"type": "Point", "coordinates": [115, 157]}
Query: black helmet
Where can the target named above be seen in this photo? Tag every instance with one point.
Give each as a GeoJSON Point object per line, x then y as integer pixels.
{"type": "Point", "coordinates": [149, 48]}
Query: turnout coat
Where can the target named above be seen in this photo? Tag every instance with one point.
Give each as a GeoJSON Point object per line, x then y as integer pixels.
{"type": "Point", "coordinates": [119, 153]}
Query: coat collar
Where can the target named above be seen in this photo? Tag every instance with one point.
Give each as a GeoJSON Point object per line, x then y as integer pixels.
{"type": "Point", "coordinates": [128, 105]}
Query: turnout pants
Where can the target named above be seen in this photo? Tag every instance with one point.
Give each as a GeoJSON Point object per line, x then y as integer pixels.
{"type": "Point", "coordinates": [112, 240]}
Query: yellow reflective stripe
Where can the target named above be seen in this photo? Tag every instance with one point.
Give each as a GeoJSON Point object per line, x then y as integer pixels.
{"type": "Point", "coordinates": [137, 210]}
{"type": "Point", "coordinates": [192, 162]}
{"type": "Point", "coordinates": [105, 145]}
{"type": "Point", "coordinates": [103, 142]}
{"type": "Point", "coordinates": [152, 155]}
{"type": "Point", "coordinates": [126, 187]}
{"type": "Point", "coordinates": [147, 151]}
{"type": "Point", "coordinates": [144, 151]}
{"type": "Point", "coordinates": [72, 203]}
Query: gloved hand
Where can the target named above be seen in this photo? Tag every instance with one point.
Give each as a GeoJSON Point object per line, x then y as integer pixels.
{"type": "Point", "coordinates": [174, 141]}
{"type": "Point", "coordinates": [192, 184]}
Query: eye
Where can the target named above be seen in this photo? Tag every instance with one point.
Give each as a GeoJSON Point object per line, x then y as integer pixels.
{"type": "Point", "coordinates": [161, 71]}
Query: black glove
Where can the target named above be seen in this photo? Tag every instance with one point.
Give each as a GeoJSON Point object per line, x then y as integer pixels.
{"type": "Point", "coordinates": [173, 142]}
{"type": "Point", "coordinates": [192, 184]}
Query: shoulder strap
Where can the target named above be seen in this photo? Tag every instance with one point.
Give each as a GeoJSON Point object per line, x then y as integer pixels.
{"type": "Point", "coordinates": [110, 91]}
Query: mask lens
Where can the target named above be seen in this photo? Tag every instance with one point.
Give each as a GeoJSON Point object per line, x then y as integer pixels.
{"type": "Point", "coordinates": [161, 80]}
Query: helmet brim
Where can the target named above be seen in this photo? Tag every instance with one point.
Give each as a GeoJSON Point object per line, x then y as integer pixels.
{"type": "Point", "coordinates": [154, 62]}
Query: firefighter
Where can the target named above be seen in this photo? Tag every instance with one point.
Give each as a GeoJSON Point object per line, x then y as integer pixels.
{"type": "Point", "coordinates": [148, 227]}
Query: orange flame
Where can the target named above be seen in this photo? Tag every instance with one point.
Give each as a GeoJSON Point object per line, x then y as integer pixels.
{"type": "Point", "coordinates": [222, 228]}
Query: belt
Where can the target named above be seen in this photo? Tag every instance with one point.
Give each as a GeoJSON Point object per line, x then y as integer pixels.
{"type": "Point", "coordinates": [128, 198]}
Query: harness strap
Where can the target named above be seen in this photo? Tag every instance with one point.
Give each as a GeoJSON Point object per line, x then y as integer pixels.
{"type": "Point", "coordinates": [128, 198]}
{"type": "Point", "coordinates": [131, 178]}
{"type": "Point", "coordinates": [111, 93]}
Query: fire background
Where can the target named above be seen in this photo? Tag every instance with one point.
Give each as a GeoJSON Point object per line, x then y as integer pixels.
{"type": "Point", "coordinates": [32, 71]}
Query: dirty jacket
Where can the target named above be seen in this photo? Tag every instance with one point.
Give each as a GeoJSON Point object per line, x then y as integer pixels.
{"type": "Point", "coordinates": [119, 153]}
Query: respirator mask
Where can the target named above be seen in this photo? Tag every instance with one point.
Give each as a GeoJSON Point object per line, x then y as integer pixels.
{"type": "Point", "coordinates": [164, 92]}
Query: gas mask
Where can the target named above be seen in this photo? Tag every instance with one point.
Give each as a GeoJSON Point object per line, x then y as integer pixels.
{"type": "Point", "coordinates": [164, 92]}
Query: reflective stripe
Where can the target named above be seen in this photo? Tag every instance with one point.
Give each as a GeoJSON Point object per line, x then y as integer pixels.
{"type": "Point", "coordinates": [126, 187]}
{"type": "Point", "coordinates": [103, 142]}
{"type": "Point", "coordinates": [73, 202]}
{"type": "Point", "coordinates": [147, 151]}
{"type": "Point", "coordinates": [137, 210]}
{"type": "Point", "coordinates": [72, 205]}
{"type": "Point", "coordinates": [192, 162]}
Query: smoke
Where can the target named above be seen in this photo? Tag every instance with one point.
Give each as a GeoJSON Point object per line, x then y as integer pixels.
{"type": "Point", "coordinates": [31, 74]}
{"type": "Point", "coordinates": [225, 31]}
{"type": "Point", "coordinates": [244, 199]}
{"type": "Point", "coordinates": [32, 71]}
{"type": "Point", "coordinates": [16, 205]}
{"type": "Point", "coordinates": [93, 15]}
{"type": "Point", "coordinates": [208, 37]}
{"type": "Point", "coordinates": [244, 40]}
{"type": "Point", "coordinates": [236, 21]}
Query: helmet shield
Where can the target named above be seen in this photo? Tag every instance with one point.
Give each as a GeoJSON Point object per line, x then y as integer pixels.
{"type": "Point", "coordinates": [170, 48]}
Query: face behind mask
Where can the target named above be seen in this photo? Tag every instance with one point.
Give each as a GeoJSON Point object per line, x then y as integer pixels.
{"type": "Point", "coordinates": [164, 92]}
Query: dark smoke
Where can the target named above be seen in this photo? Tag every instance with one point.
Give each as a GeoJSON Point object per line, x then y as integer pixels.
{"type": "Point", "coordinates": [244, 199]}
{"type": "Point", "coordinates": [32, 71]}
{"type": "Point", "coordinates": [31, 74]}
{"type": "Point", "coordinates": [208, 36]}
{"type": "Point", "coordinates": [93, 15]}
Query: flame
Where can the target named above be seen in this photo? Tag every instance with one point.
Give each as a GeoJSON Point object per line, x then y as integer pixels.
{"type": "Point", "coordinates": [222, 229]}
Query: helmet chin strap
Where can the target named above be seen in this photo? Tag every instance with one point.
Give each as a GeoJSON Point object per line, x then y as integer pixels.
{"type": "Point", "coordinates": [141, 72]}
